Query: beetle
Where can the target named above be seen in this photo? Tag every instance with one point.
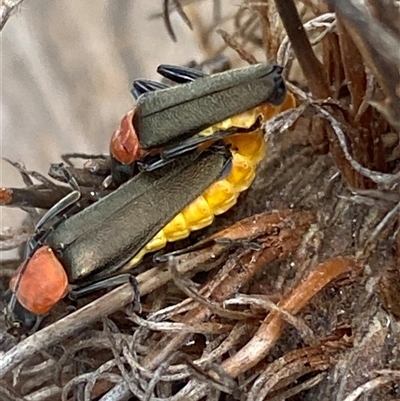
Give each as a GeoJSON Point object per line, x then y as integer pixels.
{"type": "Point", "coordinates": [205, 100]}
{"type": "Point", "coordinates": [169, 121]}
{"type": "Point", "coordinates": [80, 251]}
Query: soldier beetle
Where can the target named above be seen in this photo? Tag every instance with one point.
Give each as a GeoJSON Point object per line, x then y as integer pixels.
{"type": "Point", "coordinates": [81, 252]}
{"type": "Point", "coordinates": [169, 121]}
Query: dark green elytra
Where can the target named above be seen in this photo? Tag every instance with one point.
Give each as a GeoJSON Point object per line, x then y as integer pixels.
{"type": "Point", "coordinates": [107, 234]}
{"type": "Point", "coordinates": [168, 115]}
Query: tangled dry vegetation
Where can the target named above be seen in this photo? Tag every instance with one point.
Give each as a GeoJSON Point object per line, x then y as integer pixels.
{"type": "Point", "coordinates": [314, 312]}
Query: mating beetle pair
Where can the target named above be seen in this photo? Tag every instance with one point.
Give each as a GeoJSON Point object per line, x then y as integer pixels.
{"type": "Point", "coordinates": [171, 197]}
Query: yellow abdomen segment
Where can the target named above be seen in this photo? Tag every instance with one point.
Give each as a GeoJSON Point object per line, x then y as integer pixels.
{"type": "Point", "coordinates": [247, 151]}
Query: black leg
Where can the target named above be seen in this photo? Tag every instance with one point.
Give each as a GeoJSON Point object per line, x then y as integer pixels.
{"type": "Point", "coordinates": [141, 86]}
{"type": "Point", "coordinates": [194, 142]}
{"type": "Point", "coordinates": [108, 282]}
{"type": "Point", "coordinates": [226, 242]}
{"type": "Point", "coordinates": [180, 75]}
